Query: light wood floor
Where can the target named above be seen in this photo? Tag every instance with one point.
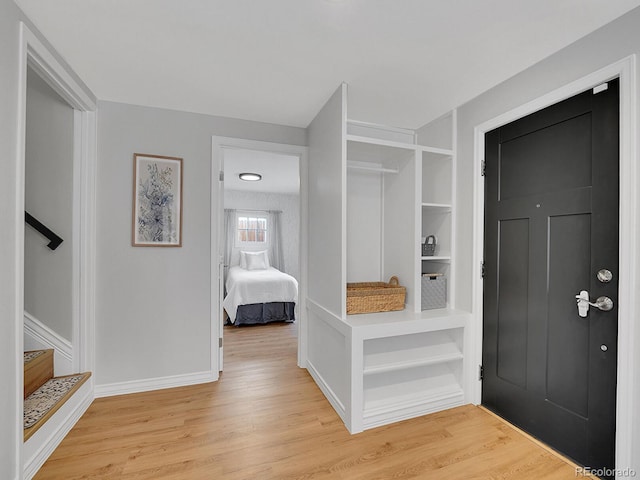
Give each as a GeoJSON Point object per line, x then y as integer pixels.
{"type": "Point", "coordinates": [266, 419]}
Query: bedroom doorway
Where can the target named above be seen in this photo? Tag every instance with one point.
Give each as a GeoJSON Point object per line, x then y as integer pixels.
{"type": "Point", "coordinates": [260, 220]}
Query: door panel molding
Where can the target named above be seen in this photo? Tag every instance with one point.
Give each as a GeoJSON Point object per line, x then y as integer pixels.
{"type": "Point", "coordinates": [628, 388]}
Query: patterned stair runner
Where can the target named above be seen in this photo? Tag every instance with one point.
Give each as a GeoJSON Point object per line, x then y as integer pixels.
{"type": "Point", "coordinates": [28, 356]}
{"type": "Point", "coordinates": [49, 397]}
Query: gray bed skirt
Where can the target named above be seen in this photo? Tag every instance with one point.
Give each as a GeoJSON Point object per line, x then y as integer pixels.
{"type": "Point", "coordinates": [260, 313]}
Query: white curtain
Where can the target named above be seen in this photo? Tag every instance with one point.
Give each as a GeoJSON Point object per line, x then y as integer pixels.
{"type": "Point", "coordinates": [229, 233]}
{"type": "Point", "coordinates": [276, 257]}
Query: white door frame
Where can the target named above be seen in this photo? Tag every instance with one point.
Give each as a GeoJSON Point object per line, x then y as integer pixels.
{"type": "Point", "coordinates": [35, 54]}
{"type": "Point", "coordinates": [219, 144]}
{"type": "Point", "coordinates": [628, 333]}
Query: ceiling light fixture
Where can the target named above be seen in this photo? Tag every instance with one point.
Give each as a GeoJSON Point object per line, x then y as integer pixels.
{"type": "Point", "coordinates": [250, 177]}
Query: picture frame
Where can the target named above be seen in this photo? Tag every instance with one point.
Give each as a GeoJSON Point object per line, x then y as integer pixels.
{"type": "Point", "coordinates": [157, 201]}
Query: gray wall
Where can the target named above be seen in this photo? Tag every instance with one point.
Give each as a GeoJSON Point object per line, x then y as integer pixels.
{"type": "Point", "coordinates": [290, 220]}
{"type": "Point", "coordinates": [611, 43]}
{"type": "Point", "coordinates": [607, 45]}
{"type": "Point", "coordinates": [11, 217]}
{"type": "Point", "coordinates": [153, 304]}
{"type": "Point", "coordinates": [49, 198]}
{"type": "Point", "coordinates": [11, 239]}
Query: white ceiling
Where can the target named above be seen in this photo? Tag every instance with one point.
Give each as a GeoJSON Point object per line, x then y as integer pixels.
{"type": "Point", "coordinates": [280, 173]}
{"type": "Point", "coordinates": [406, 61]}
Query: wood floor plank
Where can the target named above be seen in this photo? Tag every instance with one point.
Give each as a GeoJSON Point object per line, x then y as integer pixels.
{"type": "Point", "coordinates": [266, 419]}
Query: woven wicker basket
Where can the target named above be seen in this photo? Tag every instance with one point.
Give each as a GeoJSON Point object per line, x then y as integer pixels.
{"type": "Point", "coordinates": [370, 297]}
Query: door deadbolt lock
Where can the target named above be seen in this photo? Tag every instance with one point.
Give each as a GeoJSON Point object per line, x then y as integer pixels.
{"type": "Point", "coordinates": [602, 303]}
{"type": "Point", "coordinates": [604, 275]}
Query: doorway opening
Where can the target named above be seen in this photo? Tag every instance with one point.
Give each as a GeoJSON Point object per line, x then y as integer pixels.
{"type": "Point", "coordinates": [41, 72]}
{"type": "Point", "coordinates": [258, 248]}
{"type": "Point", "coordinates": [48, 274]}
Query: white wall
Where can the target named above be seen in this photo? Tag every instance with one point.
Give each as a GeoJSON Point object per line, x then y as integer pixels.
{"type": "Point", "coordinates": [153, 304]}
{"type": "Point", "coordinates": [327, 215]}
{"type": "Point", "coordinates": [607, 45]}
{"type": "Point", "coordinates": [437, 133]}
{"type": "Point", "coordinates": [364, 226]}
{"type": "Point", "coordinates": [289, 204]}
{"type": "Point", "coordinates": [49, 198]}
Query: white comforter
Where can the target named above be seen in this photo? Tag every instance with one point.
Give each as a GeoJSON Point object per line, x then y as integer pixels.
{"type": "Point", "coordinates": [245, 287]}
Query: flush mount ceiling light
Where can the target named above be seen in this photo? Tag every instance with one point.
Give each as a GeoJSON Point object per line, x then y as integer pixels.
{"type": "Point", "coordinates": [250, 177]}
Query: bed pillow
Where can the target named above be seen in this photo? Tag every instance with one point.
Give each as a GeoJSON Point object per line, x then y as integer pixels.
{"type": "Point", "coordinates": [243, 257]}
{"type": "Point", "coordinates": [256, 260]}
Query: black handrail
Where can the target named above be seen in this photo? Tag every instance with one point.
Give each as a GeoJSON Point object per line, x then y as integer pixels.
{"type": "Point", "coordinates": [54, 240]}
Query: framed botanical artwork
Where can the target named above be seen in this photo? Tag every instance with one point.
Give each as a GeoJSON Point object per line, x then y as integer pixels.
{"type": "Point", "coordinates": [157, 201]}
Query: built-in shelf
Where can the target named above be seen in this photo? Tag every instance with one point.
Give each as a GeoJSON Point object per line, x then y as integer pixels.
{"type": "Point", "coordinates": [420, 349]}
{"type": "Point", "coordinates": [451, 392]}
{"type": "Point", "coordinates": [419, 362]}
{"type": "Point", "coordinates": [386, 324]}
{"type": "Point", "coordinates": [439, 258]}
{"type": "Point", "coordinates": [437, 151]}
{"type": "Point", "coordinates": [410, 362]}
{"type": "Point", "coordinates": [381, 142]}
{"type": "Point", "coordinates": [384, 132]}
{"type": "Point", "coordinates": [382, 153]}
{"type": "Point", "coordinates": [441, 207]}
{"type": "Point", "coordinates": [402, 407]}
{"type": "Point", "coordinates": [371, 167]}
{"type": "Point", "coordinates": [411, 392]}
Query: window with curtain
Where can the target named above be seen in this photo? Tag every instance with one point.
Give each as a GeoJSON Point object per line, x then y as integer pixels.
{"type": "Point", "coordinates": [262, 226]}
{"type": "Point", "coordinates": [251, 229]}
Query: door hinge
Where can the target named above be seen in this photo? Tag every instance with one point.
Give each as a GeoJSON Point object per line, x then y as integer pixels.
{"type": "Point", "coordinates": [220, 343]}
{"type": "Point", "coordinates": [483, 269]}
{"type": "Point", "coordinates": [480, 372]}
{"type": "Point", "coordinates": [221, 176]}
{"type": "Point", "coordinates": [483, 168]}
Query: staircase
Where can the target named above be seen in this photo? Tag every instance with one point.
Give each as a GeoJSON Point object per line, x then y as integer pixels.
{"type": "Point", "coordinates": [45, 394]}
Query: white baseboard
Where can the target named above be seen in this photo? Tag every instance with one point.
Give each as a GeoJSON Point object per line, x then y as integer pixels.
{"type": "Point", "coordinates": [335, 402]}
{"type": "Point", "coordinates": [41, 445]}
{"type": "Point", "coordinates": [38, 336]}
{"type": "Point", "coordinates": [146, 385]}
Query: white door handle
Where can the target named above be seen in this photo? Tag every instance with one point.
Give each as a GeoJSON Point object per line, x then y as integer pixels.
{"type": "Point", "coordinates": [583, 303]}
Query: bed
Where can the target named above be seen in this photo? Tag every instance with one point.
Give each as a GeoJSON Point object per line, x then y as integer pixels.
{"type": "Point", "coordinates": [259, 296]}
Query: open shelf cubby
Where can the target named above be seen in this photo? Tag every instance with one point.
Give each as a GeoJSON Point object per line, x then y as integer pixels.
{"type": "Point", "coordinates": [409, 351]}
